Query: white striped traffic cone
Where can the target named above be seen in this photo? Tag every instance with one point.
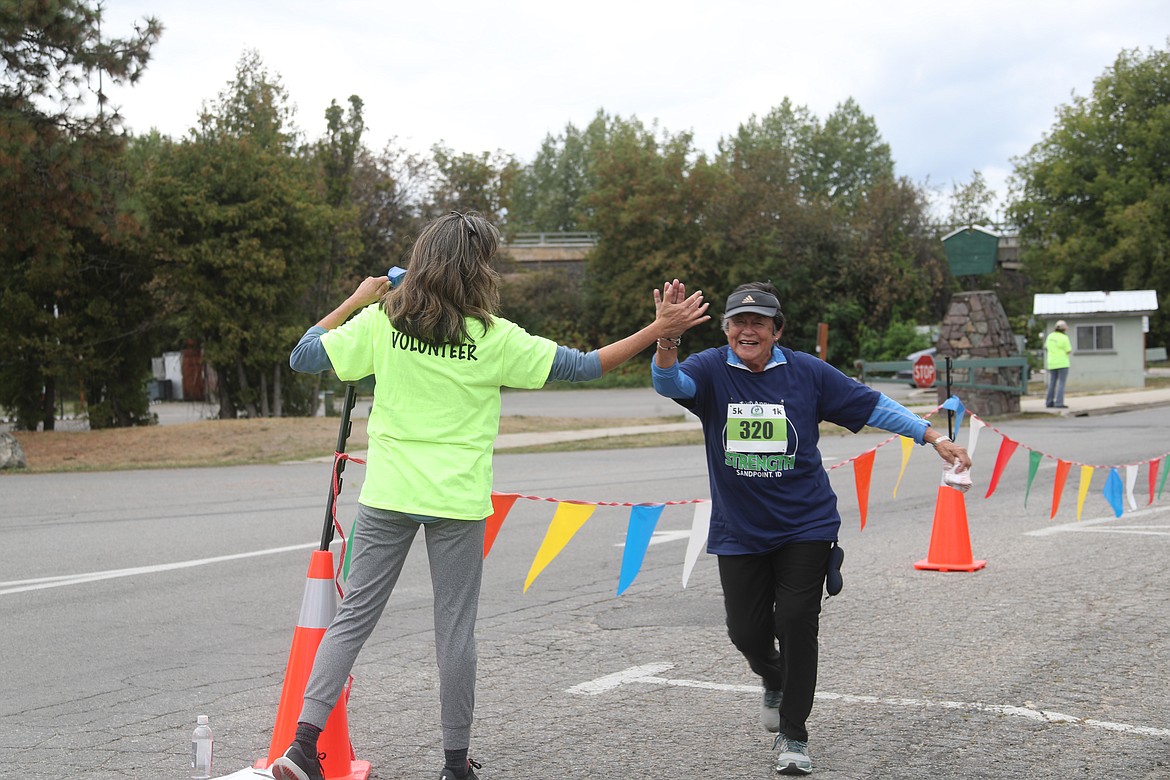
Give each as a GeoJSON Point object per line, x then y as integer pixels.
{"type": "Point", "coordinates": [318, 606]}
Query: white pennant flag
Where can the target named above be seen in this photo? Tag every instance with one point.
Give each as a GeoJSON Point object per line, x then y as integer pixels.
{"type": "Point", "coordinates": [1130, 481]}
{"type": "Point", "coordinates": [700, 525]}
{"type": "Point", "coordinates": [973, 435]}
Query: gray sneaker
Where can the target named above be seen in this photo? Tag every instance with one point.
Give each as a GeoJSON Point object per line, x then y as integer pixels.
{"type": "Point", "coordinates": [793, 758]}
{"type": "Point", "coordinates": [295, 765]}
{"type": "Point", "coordinates": [770, 712]}
{"type": "Point", "coordinates": [450, 774]}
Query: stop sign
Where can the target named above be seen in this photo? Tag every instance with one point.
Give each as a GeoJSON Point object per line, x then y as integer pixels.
{"type": "Point", "coordinates": [924, 371]}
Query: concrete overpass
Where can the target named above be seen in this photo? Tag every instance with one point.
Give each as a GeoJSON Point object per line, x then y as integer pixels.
{"type": "Point", "coordinates": [548, 251]}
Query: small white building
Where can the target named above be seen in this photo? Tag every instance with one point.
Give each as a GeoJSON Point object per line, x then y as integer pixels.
{"type": "Point", "coordinates": [1108, 334]}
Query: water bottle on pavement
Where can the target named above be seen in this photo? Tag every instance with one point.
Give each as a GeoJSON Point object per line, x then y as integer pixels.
{"type": "Point", "coordinates": [201, 742]}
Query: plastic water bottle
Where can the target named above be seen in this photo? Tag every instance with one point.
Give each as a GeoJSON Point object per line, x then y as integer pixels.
{"type": "Point", "coordinates": [201, 744]}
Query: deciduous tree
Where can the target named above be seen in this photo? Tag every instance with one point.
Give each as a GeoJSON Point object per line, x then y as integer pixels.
{"type": "Point", "coordinates": [647, 207]}
{"type": "Point", "coordinates": [248, 228]}
{"type": "Point", "coordinates": [390, 190]}
{"type": "Point", "coordinates": [549, 195]}
{"type": "Point", "coordinates": [1092, 198]}
{"type": "Point", "coordinates": [472, 182]}
{"type": "Point", "coordinates": [970, 203]}
{"type": "Point", "coordinates": [815, 208]}
{"type": "Point", "coordinates": [74, 278]}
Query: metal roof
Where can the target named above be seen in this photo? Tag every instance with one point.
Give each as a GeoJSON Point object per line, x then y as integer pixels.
{"type": "Point", "coordinates": [965, 228]}
{"type": "Point", "coordinates": [1096, 302]}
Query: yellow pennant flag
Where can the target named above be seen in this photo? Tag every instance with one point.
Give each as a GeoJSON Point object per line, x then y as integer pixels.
{"type": "Point", "coordinates": [1083, 488]}
{"type": "Point", "coordinates": [566, 522]}
{"type": "Point", "coordinates": [907, 448]}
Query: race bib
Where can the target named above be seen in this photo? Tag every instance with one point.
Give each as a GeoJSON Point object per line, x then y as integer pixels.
{"type": "Point", "coordinates": [756, 428]}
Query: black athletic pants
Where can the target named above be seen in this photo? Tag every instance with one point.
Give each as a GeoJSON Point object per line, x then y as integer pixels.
{"type": "Point", "coordinates": [773, 604]}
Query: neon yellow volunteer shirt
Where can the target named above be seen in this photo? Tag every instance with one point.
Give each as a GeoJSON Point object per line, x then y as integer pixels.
{"type": "Point", "coordinates": [436, 410]}
{"type": "Point", "coordinates": [1057, 348]}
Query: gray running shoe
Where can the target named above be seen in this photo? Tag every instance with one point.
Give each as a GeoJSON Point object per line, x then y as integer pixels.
{"type": "Point", "coordinates": [770, 712]}
{"type": "Point", "coordinates": [449, 774]}
{"type": "Point", "coordinates": [295, 765]}
{"type": "Point", "coordinates": [793, 758]}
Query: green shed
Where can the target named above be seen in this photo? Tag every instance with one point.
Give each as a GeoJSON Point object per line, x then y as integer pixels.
{"type": "Point", "coordinates": [971, 251]}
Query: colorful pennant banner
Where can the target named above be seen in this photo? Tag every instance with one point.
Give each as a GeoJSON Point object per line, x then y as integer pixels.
{"type": "Point", "coordinates": [571, 515]}
{"type": "Point", "coordinates": [863, 466]}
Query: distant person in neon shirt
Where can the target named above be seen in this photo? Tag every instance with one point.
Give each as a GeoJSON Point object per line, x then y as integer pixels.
{"type": "Point", "coordinates": [1057, 352]}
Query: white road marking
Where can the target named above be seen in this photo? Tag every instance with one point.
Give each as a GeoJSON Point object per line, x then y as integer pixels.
{"type": "Point", "coordinates": [662, 537]}
{"type": "Point", "coordinates": [62, 580]}
{"type": "Point", "coordinates": [648, 674]}
{"type": "Point", "coordinates": [611, 681]}
{"type": "Point", "coordinates": [1086, 526]}
{"type": "Point", "coordinates": [247, 772]}
{"type": "Point", "coordinates": [1141, 530]}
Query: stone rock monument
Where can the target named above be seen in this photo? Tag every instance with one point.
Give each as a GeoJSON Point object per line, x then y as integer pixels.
{"type": "Point", "coordinates": [976, 326]}
{"type": "Point", "coordinates": [11, 455]}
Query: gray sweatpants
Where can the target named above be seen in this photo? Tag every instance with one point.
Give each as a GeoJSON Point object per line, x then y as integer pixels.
{"type": "Point", "coordinates": [381, 540]}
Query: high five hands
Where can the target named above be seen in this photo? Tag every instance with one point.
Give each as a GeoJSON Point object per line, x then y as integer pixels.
{"type": "Point", "coordinates": [676, 312]}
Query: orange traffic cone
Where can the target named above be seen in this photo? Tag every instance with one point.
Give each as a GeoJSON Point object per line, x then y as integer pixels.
{"type": "Point", "coordinates": [318, 607]}
{"type": "Point", "coordinates": [950, 543]}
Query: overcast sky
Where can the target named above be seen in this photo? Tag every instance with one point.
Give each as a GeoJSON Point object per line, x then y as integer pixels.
{"type": "Point", "coordinates": [953, 86]}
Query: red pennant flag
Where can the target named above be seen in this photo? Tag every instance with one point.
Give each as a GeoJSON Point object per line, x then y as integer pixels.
{"type": "Point", "coordinates": [1154, 476]}
{"type": "Point", "coordinates": [1006, 449]}
{"type": "Point", "coordinates": [501, 506]}
{"type": "Point", "coordinates": [862, 471]}
{"type": "Point", "coordinates": [1062, 467]}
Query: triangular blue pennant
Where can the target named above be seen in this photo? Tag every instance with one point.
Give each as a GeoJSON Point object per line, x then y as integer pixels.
{"type": "Point", "coordinates": [1113, 492]}
{"type": "Point", "coordinates": [643, 519]}
{"type": "Point", "coordinates": [953, 404]}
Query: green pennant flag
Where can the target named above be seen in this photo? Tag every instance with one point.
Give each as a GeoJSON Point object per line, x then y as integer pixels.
{"type": "Point", "coordinates": [1162, 482]}
{"type": "Point", "coordinates": [348, 553]}
{"type": "Point", "coordinates": [1033, 465]}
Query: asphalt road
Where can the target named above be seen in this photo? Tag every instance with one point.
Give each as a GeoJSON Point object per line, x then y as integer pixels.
{"type": "Point", "coordinates": [564, 401]}
{"type": "Point", "coordinates": [133, 601]}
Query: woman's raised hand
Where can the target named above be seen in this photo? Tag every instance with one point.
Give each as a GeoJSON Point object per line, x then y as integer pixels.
{"type": "Point", "coordinates": [676, 312]}
{"type": "Point", "coordinates": [370, 291]}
